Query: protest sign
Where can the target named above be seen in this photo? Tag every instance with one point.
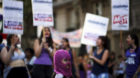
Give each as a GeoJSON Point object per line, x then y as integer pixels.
{"type": "Point", "coordinates": [94, 26]}
{"type": "Point", "coordinates": [12, 17]}
{"type": "Point", "coordinates": [120, 14]}
{"type": "Point", "coordinates": [42, 13]}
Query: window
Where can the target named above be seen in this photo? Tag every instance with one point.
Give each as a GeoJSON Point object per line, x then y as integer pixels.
{"type": "Point", "coordinates": [71, 18]}
{"type": "Point", "coordinates": [99, 8]}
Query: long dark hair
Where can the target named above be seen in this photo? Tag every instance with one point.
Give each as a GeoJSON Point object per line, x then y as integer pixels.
{"type": "Point", "coordinates": [106, 42]}
{"type": "Point", "coordinates": [67, 40]}
{"type": "Point", "coordinates": [9, 37]}
{"type": "Point", "coordinates": [1, 39]}
{"type": "Point", "coordinates": [30, 50]}
{"type": "Point", "coordinates": [136, 41]}
{"type": "Point", "coordinates": [48, 40]}
{"type": "Point", "coordinates": [83, 50]}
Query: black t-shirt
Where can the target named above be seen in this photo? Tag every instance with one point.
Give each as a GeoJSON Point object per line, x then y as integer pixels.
{"type": "Point", "coordinates": [97, 68]}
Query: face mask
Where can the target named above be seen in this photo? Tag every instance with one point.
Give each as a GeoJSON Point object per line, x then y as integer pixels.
{"type": "Point", "coordinates": [59, 66]}
{"type": "Point", "coordinates": [67, 65]}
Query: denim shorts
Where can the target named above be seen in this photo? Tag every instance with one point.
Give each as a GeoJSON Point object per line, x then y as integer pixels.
{"type": "Point", "coordinates": [102, 75]}
{"type": "Point", "coordinates": [139, 75]}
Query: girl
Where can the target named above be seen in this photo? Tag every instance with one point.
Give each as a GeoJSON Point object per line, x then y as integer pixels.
{"type": "Point", "coordinates": [82, 61]}
{"type": "Point", "coordinates": [132, 55]}
{"type": "Point", "coordinates": [30, 58]}
{"type": "Point", "coordinates": [100, 58]}
{"type": "Point", "coordinates": [14, 59]}
{"type": "Point", "coordinates": [66, 46]}
{"type": "Point", "coordinates": [111, 64]}
{"type": "Point", "coordinates": [43, 48]}
{"type": "Point", "coordinates": [62, 65]}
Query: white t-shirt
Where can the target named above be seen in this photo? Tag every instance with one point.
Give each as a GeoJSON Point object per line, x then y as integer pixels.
{"type": "Point", "coordinates": [122, 66]}
{"type": "Point", "coordinates": [31, 62]}
{"type": "Point", "coordinates": [59, 76]}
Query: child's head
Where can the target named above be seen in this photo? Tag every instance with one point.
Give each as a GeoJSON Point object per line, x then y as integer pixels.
{"type": "Point", "coordinates": [29, 53]}
{"type": "Point", "coordinates": [120, 57]}
{"type": "Point", "coordinates": [112, 55]}
{"type": "Point", "coordinates": [62, 63]}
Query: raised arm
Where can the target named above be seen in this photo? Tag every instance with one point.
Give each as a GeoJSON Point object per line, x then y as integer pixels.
{"type": "Point", "coordinates": [54, 49]}
{"type": "Point", "coordinates": [38, 47]}
{"type": "Point", "coordinates": [5, 55]}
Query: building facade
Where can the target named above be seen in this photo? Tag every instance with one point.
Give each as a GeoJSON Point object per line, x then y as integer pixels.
{"type": "Point", "coordinates": [70, 14]}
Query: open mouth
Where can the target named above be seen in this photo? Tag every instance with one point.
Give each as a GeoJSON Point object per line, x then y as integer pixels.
{"type": "Point", "coordinates": [46, 35]}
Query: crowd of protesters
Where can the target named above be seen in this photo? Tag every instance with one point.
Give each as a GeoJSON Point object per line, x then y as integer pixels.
{"type": "Point", "coordinates": [46, 60]}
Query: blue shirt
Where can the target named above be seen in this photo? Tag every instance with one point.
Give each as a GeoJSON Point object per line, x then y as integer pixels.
{"type": "Point", "coordinates": [132, 62]}
{"type": "Point", "coordinates": [1, 46]}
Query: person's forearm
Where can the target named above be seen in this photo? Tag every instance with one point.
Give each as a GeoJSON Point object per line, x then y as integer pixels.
{"type": "Point", "coordinates": [98, 61]}
{"type": "Point", "coordinates": [38, 51]}
{"type": "Point", "coordinates": [77, 70]}
{"type": "Point", "coordinates": [7, 56]}
{"type": "Point", "coordinates": [54, 50]}
{"type": "Point", "coordinates": [50, 53]}
{"type": "Point", "coordinates": [75, 63]}
{"type": "Point", "coordinates": [76, 67]}
{"type": "Point", "coordinates": [102, 60]}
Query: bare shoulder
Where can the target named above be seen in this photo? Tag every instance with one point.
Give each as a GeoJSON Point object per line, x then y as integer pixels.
{"type": "Point", "coordinates": [3, 49]}
{"type": "Point", "coordinates": [3, 52]}
{"type": "Point", "coordinates": [106, 51]}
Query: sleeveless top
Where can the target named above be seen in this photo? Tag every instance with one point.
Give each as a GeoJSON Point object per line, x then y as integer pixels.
{"type": "Point", "coordinates": [44, 58]}
{"type": "Point", "coordinates": [17, 56]}
{"type": "Point", "coordinates": [72, 61]}
{"type": "Point", "coordinates": [71, 55]}
{"type": "Point", "coordinates": [97, 68]}
{"type": "Point", "coordinates": [132, 61]}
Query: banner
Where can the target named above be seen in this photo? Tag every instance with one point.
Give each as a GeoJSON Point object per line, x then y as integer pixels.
{"type": "Point", "coordinates": [42, 12]}
{"type": "Point", "coordinates": [74, 37]}
{"type": "Point", "coordinates": [94, 26]}
{"type": "Point", "coordinates": [120, 14]}
{"type": "Point", "coordinates": [12, 17]}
